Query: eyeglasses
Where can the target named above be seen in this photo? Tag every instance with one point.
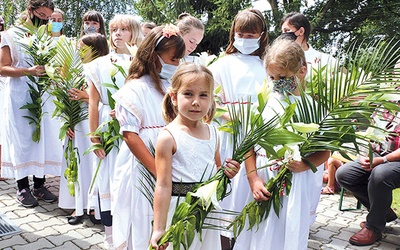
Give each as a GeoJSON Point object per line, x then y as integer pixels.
{"type": "Point", "coordinates": [41, 15]}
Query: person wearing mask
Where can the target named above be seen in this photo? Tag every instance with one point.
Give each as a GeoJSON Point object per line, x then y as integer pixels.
{"type": "Point", "coordinates": [298, 25]}
{"type": "Point", "coordinates": [22, 157]}
{"type": "Point", "coordinates": [57, 23]}
{"type": "Point", "coordinates": [239, 72]}
{"type": "Point", "coordinates": [93, 22]}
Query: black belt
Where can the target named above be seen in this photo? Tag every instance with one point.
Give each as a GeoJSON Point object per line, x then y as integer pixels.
{"type": "Point", "coordinates": [182, 188]}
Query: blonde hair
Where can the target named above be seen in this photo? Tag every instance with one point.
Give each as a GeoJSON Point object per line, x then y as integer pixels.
{"type": "Point", "coordinates": [133, 26]}
{"type": "Point", "coordinates": [249, 21]}
{"type": "Point", "coordinates": [188, 74]}
{"type": "Point", "coordinates": [285, 54]}
{"type": "Point", "coordinates": [187, 22]}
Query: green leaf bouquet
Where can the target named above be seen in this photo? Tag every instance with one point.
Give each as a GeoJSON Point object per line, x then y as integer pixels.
{"type": "Point", "coordinates": [39, 45]}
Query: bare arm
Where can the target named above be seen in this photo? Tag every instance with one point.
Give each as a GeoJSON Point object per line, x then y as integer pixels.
{"type": "Point", "coordinates": [6, 68]}
{"type": "Point", "coordinates": [139, 150]}
{"type": "Point", "coordinates": [260, 193]}
{"type": "Point", "coordinates": [316, 158]}
{"type": "Point", "coordinates": [162, 195]}
{"type": "Point", "coordinates": [94, 118]}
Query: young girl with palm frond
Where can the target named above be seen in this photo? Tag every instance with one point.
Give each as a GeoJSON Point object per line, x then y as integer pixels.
{"type": "Point", "coordinates": [187, 149]}
{"type": "Point", "coordinates": [105, 75]}
{"type": "Point", "coordinates": [138, 110]}
{"type": "Point", "coordinates": [21, 156]}
{"type": "Point", "coordinates": [286, 66]}
{"type": "Point", "coordinates": [90, 47]}
{"type": "Point", "coordinates": [238, 73]}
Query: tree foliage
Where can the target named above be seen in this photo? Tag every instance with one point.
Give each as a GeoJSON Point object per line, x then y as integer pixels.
{"type": "Point", "coordinates": [217, 16]}
{"type": "Point", "coordinates": [334, 22]}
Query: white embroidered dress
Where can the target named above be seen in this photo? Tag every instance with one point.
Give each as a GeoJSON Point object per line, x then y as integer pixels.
{"type": "Point", "coordinates": [289, 231]}
{"type": "Point", "coordinates": [21, 156]}
{"type": "Point", "coordinates": [99, 73]}
{"type": "Point", "coordinates": [239, 75]}
{"type": "Point", "coordinates": [138, 110]}
{"type": "Point", "coordinates": [193, 160]}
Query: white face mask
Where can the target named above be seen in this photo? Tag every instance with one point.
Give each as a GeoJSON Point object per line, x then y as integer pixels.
{"type": "Point", "coordinates": [167, 70]}
{"type": "Point", "coordinates": [246, 45]}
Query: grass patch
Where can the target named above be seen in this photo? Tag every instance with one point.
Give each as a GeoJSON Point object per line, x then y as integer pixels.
{"type": "Point", "coordinates": [396, 201]}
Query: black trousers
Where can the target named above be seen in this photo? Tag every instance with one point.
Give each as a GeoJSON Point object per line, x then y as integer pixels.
{"type": "Point", "coordinates": [372, 188]}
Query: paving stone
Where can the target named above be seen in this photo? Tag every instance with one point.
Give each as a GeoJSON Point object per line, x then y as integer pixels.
{"type": "Point", "coordinates": [95, 239]}
{"type": "Point", "coordinates": [37, 245]}
{"type": "Point", "coordinates": [67, 246]}
{"type": "Point", "coordinates": [11, 240]}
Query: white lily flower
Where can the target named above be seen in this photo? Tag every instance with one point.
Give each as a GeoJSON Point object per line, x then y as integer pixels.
{"type": "Point", "coordinates": [132, 49]}
{"type": "Point", "coordinates": [28, 40]}
{"type": "Point", "coordinates": [113, 71]}
{"type": "Point", "coordinates": [304, 127]}
{"type": "Point", "coordinates": [206, 59]}
{"type": "Point", "coordinates": [208, 195]}
{"type": "Point", "coordinates": [292, 152]}
{"type": "Point", "coordinates": [42, 49]}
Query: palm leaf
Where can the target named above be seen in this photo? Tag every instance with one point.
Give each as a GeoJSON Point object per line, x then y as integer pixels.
{"type": "Point", "coordinates": [364, 85]}
{"type": "Point", "coordinates": [66, 72]}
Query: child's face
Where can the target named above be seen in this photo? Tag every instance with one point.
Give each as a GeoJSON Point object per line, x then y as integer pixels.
{"type": "Point", "coordinates": [247, 35]}
{"type": "Point", "coordinates": [85, 52]}
{"type": "Point", "coordinates": [57, 17]}
{"type": "Point", "coordinates": [192, 39]}
{"type": "Point", "coordinates": [168, 58]}
{"type": "Point", "coordinates": [193, 101]}
{"type": "Point", "coordinates": [121, 35]}
{"type": "Point", "coordinates": [283, 80]}
{"type": "Point", "coordinates": [93, 24]}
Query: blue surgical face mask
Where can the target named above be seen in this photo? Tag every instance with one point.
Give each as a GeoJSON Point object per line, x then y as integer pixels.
{"type": "Point", "coordinates": [287, 84]}
{"type": "Point", "coordinates": [246, 46]}
{"type": "Point", "coordinates": [87, 29]}
{"type": "Point", "coordinates": [56, 26]}
{"type": "Point", "coordinates": [167, 70]}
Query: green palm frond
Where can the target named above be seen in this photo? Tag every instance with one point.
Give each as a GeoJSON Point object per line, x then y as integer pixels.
{"type": "Point", "coordinates": [38, 44]}
{"type": "Point", "coordinates": [365, 85]}
{"type": "Point", "coordinates": [66, 72]}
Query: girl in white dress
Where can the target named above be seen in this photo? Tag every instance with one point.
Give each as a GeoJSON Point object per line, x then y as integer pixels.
{"type": "Point", "coordinates": [98, 47]}
{"type": "Point", "coordinates": [192, 31]}
{"type": "Point", "coordinates": [286, 66]}
{"type": "Point", "coordinates": [239, 72]}
{"type": "Point", "coordinates": [187, 149]}
{"type": "Point", "coordinates": [138, 110]}
{"type": "Point", "coordinates": [21, 156]}
{"type": "Point", "coordinates": [124, 29]}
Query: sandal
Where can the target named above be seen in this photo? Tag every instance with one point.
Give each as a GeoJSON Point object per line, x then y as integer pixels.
{"type": "Point", "coordinates": [327, 190]}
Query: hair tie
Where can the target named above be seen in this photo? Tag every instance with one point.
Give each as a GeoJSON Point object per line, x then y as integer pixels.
{"type": "Point", "coordinates": [168, 31]}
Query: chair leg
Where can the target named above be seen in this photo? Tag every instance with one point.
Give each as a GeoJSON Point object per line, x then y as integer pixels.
{"type": "Point", "coordinates": [341, 202]}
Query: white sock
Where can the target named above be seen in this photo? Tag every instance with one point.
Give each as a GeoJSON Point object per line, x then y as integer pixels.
{"type": "Point", "coordinates": [108, 232]}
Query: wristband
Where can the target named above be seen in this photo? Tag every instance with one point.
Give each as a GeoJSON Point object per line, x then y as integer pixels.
{"type": "Point", "coordinates": [385, 160]}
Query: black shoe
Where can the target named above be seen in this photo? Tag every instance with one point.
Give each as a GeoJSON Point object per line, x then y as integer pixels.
{"type": "Point", "coordinates": [26, 199]}
{"type": "Point", "coordinates": [93, 219]}
{"type": "Point", "coordinates": [74, 220]}
{"type": "Point", "coordinates": [43, 193]}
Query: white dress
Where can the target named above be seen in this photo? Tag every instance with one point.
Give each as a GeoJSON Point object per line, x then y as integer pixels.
{"type": "Point", "coordinates": [289, 231]}
{"type": "Point", "coordinates": [194, 162]}
{"type": "Point", "coordinates": [80, 201]}
{"type": "Point", "coordinates": [316, 60]}
{"type": "Point", "coordinates": [98, 72]}
{"type": "Point", "coordinates": [138, 110]}
{"type": "Point", "coordinates": [239, 75]}
{"type": "Point", "coordinates": [21, 156]}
